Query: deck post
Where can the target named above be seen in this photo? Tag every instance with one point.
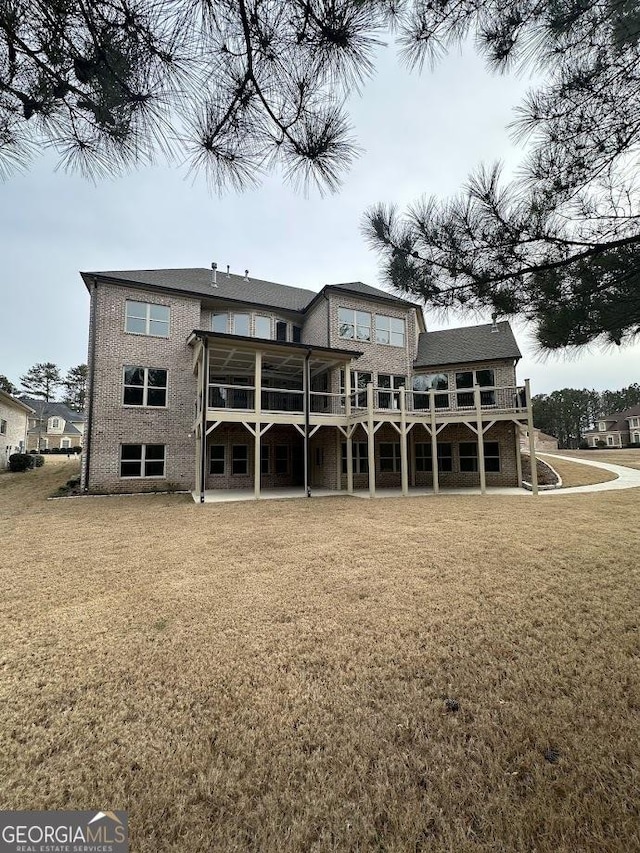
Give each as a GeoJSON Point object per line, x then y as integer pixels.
{"type": "Point", "coordinates": [257, 405]}
{"type": "Point", "coordinates": [434, 443]}
{"type": "Point", "coordinates": [349, 436]}
{"type": "Point", "coordinates": [371, 437]}
{"type": "Point", "coordinates": [203, 422]}
{"type": "Point", "coordinates": [478, 402]}
{"type": "Point", "coordinates": [516, 427]}
{"type": "Point", "coordinates": [532, 439]}
{"type": "Point", "coordinates": [403, 442]}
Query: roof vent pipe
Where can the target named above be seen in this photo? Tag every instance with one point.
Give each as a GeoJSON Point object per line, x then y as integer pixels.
{"type": "Point", "coordinates": [214, 275]}
{"type": "Point", "coordinates": [494, 325]}
{"type": "Point", "coordinates": [246, 275]}
{"type": "Point", "coordinates": [228, 273]}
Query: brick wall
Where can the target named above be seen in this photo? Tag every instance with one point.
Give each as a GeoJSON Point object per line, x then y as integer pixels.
{"type": "Point", "coordinates": [115, 424]}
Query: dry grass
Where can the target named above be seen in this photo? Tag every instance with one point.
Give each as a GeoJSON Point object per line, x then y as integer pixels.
{"type": "Point", "coordinates": [285, 689]}
{"type": "Point", "coordinates": [628, 458]}
{"type": "Point", "coordinates": [575, 474]}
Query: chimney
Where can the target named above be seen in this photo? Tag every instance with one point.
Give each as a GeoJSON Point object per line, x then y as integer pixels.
{"type": "Point", "coordinates": [214, 275]}
{"type": "Point", "coordinates": [494, 325]}
{"type": "Point", "coordinates": [228, 273]}
{"type": "Point", "coordinates": [246, 275]}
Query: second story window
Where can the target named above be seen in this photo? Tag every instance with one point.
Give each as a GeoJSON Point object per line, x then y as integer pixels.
{"type": "Point", "coordinates": [146, 318]}
{"type": "Point", "coordinates": [3, 427]}
{"type": "Point", "coordinates": [240, 324]}
{"type": "Point", "coordinates": [390, 330]}
{"type": "Point", "coordinates": [55, 423]}
{"type": "Point", "coordinates": [354, 325]}
{"type": "Point", "coordinates": [263, 327]}
{"type": "Point", "coordinates": [145, 386]}
{"type": "Point", "coordinates": [219, 323]}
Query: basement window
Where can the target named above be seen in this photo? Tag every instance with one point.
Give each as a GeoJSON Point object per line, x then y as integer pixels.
{"type": "Point", "coordinates": [142, 460]}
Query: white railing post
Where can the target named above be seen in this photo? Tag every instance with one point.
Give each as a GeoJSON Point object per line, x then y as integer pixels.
{"type": "Point", "coordinates": [404, 472]}
{"type": "Point", "coordinates": [532, 438]}
{"type": "Point", "coordinates": [257, 404]}
{"type": "Point", "coordinates": [371, 442]}
{"type": "Point", "coordinates": [478, 403]}
{"type": "Point", "coordinates": [349, 436]}
{"type": "Point", "coordinates": [434, 442]}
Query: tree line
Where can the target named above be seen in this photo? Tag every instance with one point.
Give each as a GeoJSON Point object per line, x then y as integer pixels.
{"type": "Point", "coordinates": [45, 380]}
{"type": "Point", "coordinates": [570, 412]}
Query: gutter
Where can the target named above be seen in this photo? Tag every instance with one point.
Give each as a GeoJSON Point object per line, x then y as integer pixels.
{"type": "Point", "coordinates": [92, 370]}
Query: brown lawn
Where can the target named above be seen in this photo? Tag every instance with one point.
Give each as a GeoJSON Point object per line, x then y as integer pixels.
{"type": "Point", "coordinates": [575, 474]}
{"type": "Point", "coordinates": [628, 458]}
{"type": "Point", "coordinates": [275, 676]}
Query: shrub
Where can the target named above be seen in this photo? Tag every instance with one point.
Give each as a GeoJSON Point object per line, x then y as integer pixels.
{"type": "Point", "coordinates": [38, 460]}
{"type": "Point", "coordinates": [21, 461]}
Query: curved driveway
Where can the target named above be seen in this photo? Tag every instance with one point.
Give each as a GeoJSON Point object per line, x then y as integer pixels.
{"type": "Point", "coordinates": [627, 478]}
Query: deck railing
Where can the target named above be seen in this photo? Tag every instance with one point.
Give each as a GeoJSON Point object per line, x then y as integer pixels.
{"type": "Point", "coordinates": [464, 401]}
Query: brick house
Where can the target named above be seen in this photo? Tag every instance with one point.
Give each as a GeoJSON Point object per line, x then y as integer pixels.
{"type": "Point", "coordinates": [619, 429]}
{"type": "Point", "coordinates": [53, 425]}
{"type": "Point", "coordinates": [14, 423]}
{"type": "Point", "coordinates": [204, 380]}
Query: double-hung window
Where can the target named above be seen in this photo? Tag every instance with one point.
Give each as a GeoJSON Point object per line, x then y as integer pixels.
{"type": "Point", "coordinates": [390, 330]}
{"type": "Point", "coordinates": [281, 459]}
{"type": "Point", "coordinates": [216, 459]}
{"type": "Point", "coordinates": [142, 460]}
{"type": "Point", "coordinates": [469, 456]}
{"type": "Point", "coordinates": [219, 323]}
{"type": "Point", "coordinates": [386, 399]}
{"type": "Point", "coordinates": [263, 327]}
{"type": "Point", "coordinates": [467, 379]}
{"type": "Point", "coordinates": [354, 325]}
{"type": "Point", "coordinates": [240, 459]}
{"type": "Point", "coordinates": [360, 457]}
{"type": "Point", "coordinates": [430, 382]}
{"type": "Point", "coordinates": [147, 318]}
{"type": "Point", "coordinates": [424, 457]}
{"type": "Point", "coordinates": [240, 324]}
{"type": "Point", "coordinates": [145, 386]}
{"type": "Point", "coordinates": [390, 456]}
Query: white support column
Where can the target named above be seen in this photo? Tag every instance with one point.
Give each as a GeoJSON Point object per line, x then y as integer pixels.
{"type": "Point", "coordinates": [338, 460]}
{"type": "Point", "coordinates": [404, 473]}
{"type": "Point", "coordinates": [434, 443]}
{"type": "Point", "coordinates": [349, 435]}
{"type": "Point", "coordinates": [480, 431]}
{"type": "Point", "coordinates": [532, 439]}
{"type": "Point", "coordinates": [371, 438]}
{"type": "Point", "coordinates": [516, 427]}
{"type": "Point", "coordinates": [257, 404]}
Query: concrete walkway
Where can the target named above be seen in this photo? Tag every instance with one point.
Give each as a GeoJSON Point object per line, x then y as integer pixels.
{"type": "Point", "coordinates": [627, 478]}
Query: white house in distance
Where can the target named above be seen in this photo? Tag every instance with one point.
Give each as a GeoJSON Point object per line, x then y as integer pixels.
{"type": "Point", "coordinates": [14, 423]}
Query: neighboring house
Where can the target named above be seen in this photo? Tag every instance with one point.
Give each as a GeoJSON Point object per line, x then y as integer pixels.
{"type": "Point", "coordinates": [204, 380]}
{"type": "Point", "coordinates": [53, 425]}
{"type": "Point", "coordinates": [541, 440]}
{"type": "Point", "coordinates": [620, 429]}
{"type": "Point", "coordinates": [14, 417]}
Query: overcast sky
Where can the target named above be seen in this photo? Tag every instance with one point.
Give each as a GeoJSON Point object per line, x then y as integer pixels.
{"type": "Point", "coordinates": [420, 134]}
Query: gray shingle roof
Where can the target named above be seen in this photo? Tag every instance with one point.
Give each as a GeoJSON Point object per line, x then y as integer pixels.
{"type": "Point", "coordinates": [255, 291]}
{"type": "Point", "coordinates": [54, 410]}
{"type": "Point", "coordinates": [363, 289]}
{"type": "Point", "coordinates": [620, 418]}
{"type": "Point", "coordinates": [234, 287]}
{"type": "Point", "coordinates": [468, 344]}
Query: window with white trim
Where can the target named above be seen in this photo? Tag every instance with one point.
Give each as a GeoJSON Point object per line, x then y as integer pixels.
{"type": "Point", "coordinates": [65, 443]}
{"type": "Point", "coordinates": [354, 325]}
{"type": "Point", "coordinates": [602, 426]}
{"type": "Point", "coordinates": [636, 438]}
{"type": "Point", "coordinates": [424, 457]}
{"type": "Point", "coordinates": [142, 460]}
{"type": "Point", "coordinates": [3, 427]}
{"type": "Point", "coordinates": [263, 327]}
{"type": "Point", "coordinates": [219, 323]}
{"type": "Point", "coordinates": [389, 400]}
{"type": "Point", "coordinates": [610, 440]}
{"type": "Point", "coordinates": [240, 324]}
{"type": "Point", "coordinates": [146, 318]}
{"type": "Point", "coordinates": [390, 330]}
{"type": "Point", "coordinates": [428, 382]}
{"type": "Point", "coordinates": [360, 457]}
{"type": "Point", "coordinates": [216, 459]}
{"type": "Point", "coordinates": [144, 386]}
{"type": "Point", "coordinates": [55, 423]}
{"type": "Point", "coordinates": [390, 456]}
{"type": "Point", "coordinates": [467, 379]}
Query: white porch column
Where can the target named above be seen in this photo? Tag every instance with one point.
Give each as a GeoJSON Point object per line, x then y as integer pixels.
{"type": "Point", "coordinates": [403, 442]}
{"type": "Point", "coordinates": [478, 402]}
{"type": "Point", "coordinates": [371, 437]}
{"type": "Point", "coordinates": [349, 436]}
{"type": "Point", "coordinates": [518, 454]}
{"type": "Point", "coordinates": [434, 443]}
{"type": "Point", "coordinates": [257, 404]}
{"type": "Point", "coordinates": [532, 439]}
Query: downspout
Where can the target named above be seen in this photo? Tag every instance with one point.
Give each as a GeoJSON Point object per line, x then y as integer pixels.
{"type": "Point", "coordinates": [203, 424]}
{"type": "Point", "coordinates": [92, 371]}
{"type": "Point", "coordinates": [307, 401]}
